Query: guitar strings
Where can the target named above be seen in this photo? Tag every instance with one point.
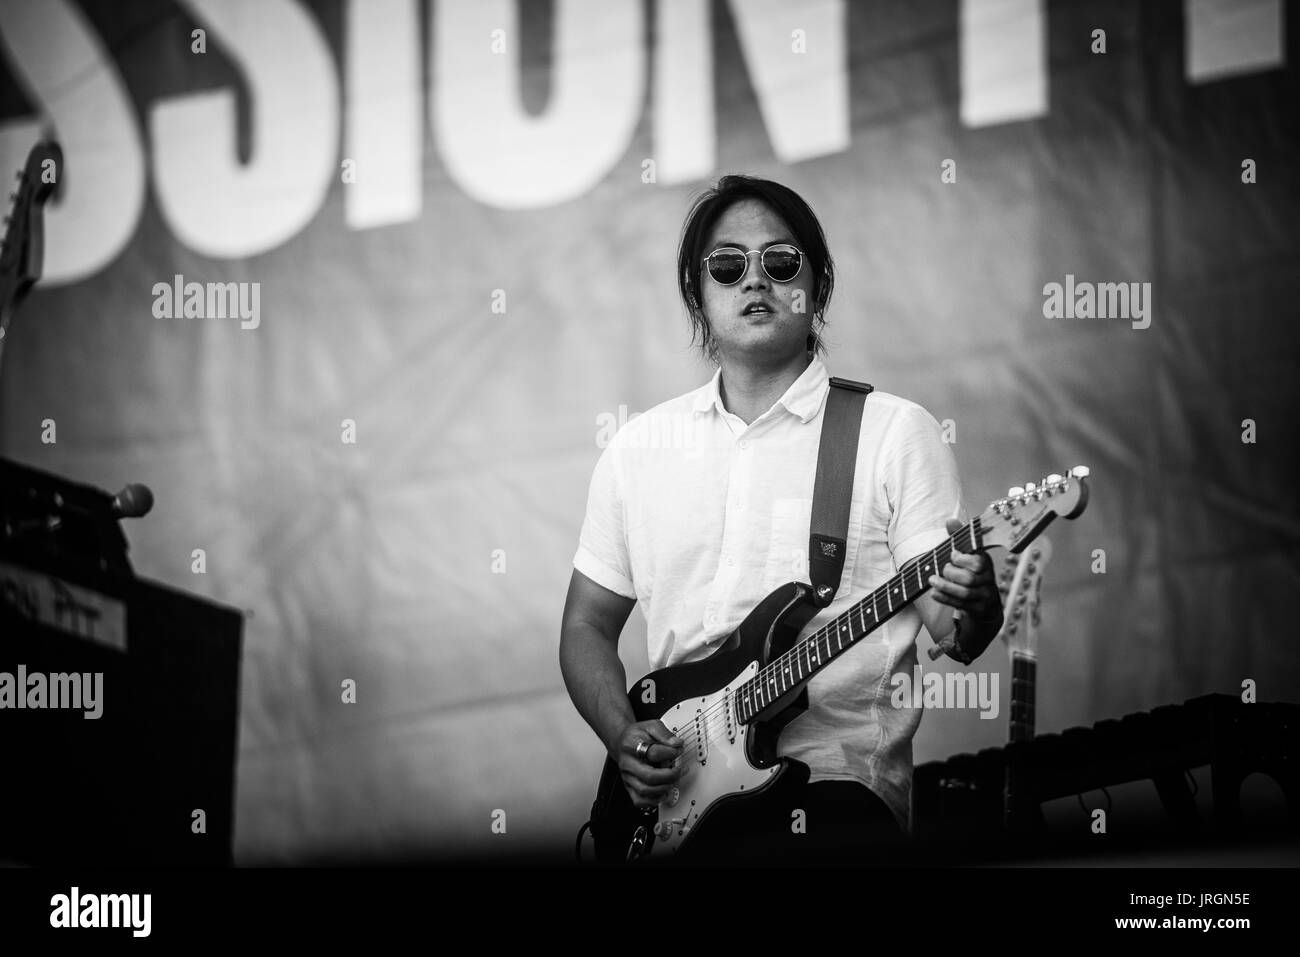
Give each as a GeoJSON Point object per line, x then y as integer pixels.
{"type": "Point", "coordinates": [941, 553]}
{"type": "Point", "coordinates": [708, 718]}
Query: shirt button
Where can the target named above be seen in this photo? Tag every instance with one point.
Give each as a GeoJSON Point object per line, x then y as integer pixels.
{"type": "Point", "coordinates": [744, 444]}
{"type": "Point", "coordinates": [730, 560]}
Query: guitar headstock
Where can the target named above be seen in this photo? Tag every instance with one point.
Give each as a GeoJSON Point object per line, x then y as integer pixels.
{"type": "Point", "coordinates": [23, 252]}
{"type": "Point", "coordinates": [1020, 583]}
{"type": "Point", "coordinates": [1016, 520]}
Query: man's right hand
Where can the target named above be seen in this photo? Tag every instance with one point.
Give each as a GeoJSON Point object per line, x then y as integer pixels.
{"type": "Point", "coordinates": [650, 777]}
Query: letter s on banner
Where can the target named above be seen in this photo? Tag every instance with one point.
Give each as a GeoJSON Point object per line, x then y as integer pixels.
{"type": "Point", "coordinates": [66, 69]}
{"type": "Point", "coordinates": [215, 205]}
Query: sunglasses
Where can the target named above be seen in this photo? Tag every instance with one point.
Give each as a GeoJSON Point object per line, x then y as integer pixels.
{"type": "Point", "coordinates": [728, 265]}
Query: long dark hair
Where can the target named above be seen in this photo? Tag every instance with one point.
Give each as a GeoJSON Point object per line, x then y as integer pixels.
{"type": "Point", "coordinates": [787, 204]}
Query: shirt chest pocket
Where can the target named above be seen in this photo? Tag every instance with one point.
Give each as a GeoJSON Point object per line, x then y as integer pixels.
{"type": "Point", "coordinates": [787, 550]}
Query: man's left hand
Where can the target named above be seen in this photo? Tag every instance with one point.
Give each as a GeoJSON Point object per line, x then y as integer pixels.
{"type": "Point", "coordinates": [967, 583]}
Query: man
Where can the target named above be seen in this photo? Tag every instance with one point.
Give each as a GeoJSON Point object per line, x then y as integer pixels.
{"type": "Point", "coordinates": [701, 506]}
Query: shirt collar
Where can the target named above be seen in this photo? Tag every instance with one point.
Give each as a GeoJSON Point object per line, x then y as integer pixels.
{"type": "Point", "coordinates": [803, 399]}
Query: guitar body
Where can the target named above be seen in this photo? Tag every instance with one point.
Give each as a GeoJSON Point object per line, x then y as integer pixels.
{"type": "Point", "coordinates": [727, 771]}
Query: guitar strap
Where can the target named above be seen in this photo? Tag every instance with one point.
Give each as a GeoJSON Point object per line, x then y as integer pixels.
{"type": "Point", "coordinates": [837, 456]}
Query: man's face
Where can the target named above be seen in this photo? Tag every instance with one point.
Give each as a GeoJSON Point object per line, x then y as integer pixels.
{"type": "Point", "coordinates": [782, 330]}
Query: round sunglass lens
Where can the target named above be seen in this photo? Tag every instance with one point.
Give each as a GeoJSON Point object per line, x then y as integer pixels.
{"type": "Point", "coordinates": [781, 264]}
{"type": "Point", "coordinates": [727, 268]}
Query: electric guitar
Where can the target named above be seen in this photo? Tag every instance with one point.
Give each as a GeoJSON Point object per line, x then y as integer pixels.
{"type": "Point", "coordinates": [729, 708]}
{"type": "Point", "coordinates": [1021, 584]}
{"type": "Point", "coordinates": [23, 253]}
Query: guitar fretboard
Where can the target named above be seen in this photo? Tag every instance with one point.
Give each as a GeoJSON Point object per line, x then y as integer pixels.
{"type": "Point", "coordinates": [1023, 671]}
{"type": "Point", "coordinates": [792, 669]}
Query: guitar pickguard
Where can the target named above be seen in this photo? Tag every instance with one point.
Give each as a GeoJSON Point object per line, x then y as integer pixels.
{"type": "Point", "coordinates": [716, 763]}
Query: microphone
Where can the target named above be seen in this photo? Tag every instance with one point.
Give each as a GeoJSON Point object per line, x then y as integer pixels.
{"type": "Point", "coordinates": [134, 501]}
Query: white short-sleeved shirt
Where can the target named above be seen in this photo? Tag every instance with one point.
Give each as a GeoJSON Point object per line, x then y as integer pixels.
{"type": "Point", "coordinates": [698, 517]}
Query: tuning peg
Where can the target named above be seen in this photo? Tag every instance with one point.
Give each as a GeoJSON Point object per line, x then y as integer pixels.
{"type": "Point", "coordinates": [1015, 491]}
{"type": "Point", "coordinates": [1054, 479]}
{"type": "Point", "coordinates": [1079, 471]}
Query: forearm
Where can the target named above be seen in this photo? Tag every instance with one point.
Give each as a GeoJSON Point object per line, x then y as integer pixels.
{"type": "Point", "coordinates": [596, 680]}
{"type": "Point", "coordinates": [973, 636]}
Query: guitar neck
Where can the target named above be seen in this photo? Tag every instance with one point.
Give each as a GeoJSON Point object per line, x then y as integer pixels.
{"type": "Point", "coordinates": [794, 668]}
{"type": "Point", "coordinates": [1023, 672]}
